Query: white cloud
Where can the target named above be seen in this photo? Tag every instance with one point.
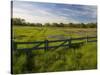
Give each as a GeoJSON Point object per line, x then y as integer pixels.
{"type": "Point", "coordinates": [42, 14]}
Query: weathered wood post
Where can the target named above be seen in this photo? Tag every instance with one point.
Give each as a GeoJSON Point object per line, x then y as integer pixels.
{"type": "Point", "coordinates": [69, 42]}
{"type": "Point", "coordinates": [46, 45]}
{"type": "Point", "coordinates": [45, 48]}
{"type": "Point", "coordinates": [13, 48]}
{"type": "Point", "coordinates": [29, 63]}
{"type": "Point", "coordinates": [14, 45]}
{"type": "Point", "coordinates": [86, 39]}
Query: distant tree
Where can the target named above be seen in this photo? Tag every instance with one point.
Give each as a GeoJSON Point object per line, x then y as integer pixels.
{"type": "Point", "coordinates": [30, 24]}
{"type": "Point", "coordinates": [61, 25]}
{"type": "Point", "coordinates": [92, 25]}
{"type": "Point", "coordinates": [22, 22]}
{"type": "Point", "coordinates": [73, 25]}
{"type": "Point", "coordinates": [18, 21]}
{"type": "Point", "coordinates": [47, 25]}
{"type": "Point", "coordinates": [83, 25]}
{"type": "Point", "coordinates": [38, 24]}
{"type": "Point", "coordinates": [55, 24]}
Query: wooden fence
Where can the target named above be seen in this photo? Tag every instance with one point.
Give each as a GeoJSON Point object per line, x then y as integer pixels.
{"type": "Point", "coordinates": [47, 42]}
{"type": "Point", "coordinates": [46, 47]}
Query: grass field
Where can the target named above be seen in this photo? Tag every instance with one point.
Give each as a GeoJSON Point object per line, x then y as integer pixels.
{"type": "Point", "coordinates": [51, 33]}
{"type": "Point", "coordinates": [61, 59]}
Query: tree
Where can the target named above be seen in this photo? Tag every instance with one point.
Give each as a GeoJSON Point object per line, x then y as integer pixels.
{"type": "Point", "coordinates": [83, 25]}
{"type": "Point", "coordinates": [17, 21]}
{"type": "Point", "coordinates": [39, 24]}
{"type": "Point", "coordinates": [92, 25]}
{"type": "Point", "coordinates": [47, 25]}
{"type": "Point", "coordinates": [61, 25]}
{"type": "Point", "coordinates": [22, 22]}
{"type": "Point", "coordinates": [55, 24]}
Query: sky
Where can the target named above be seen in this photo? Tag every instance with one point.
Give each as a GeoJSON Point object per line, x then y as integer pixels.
{"type": "Point", "coordinates": [39, 12]}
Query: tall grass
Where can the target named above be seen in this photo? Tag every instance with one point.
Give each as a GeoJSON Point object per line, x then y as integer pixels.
{"type": "Point", "coordinates": [60, 59]}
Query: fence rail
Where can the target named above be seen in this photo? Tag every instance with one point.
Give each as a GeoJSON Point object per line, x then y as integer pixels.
{"type": "Point", "coordinates": [64, 43]}
{"type": "Point", "coordinates": [47, 42]}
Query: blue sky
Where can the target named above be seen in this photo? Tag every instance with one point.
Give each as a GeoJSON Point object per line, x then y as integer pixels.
{"type": "Point", "coordinates": [51, 12]}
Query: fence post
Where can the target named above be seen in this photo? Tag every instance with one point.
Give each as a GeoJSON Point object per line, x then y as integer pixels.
{"type": "Point", "coordinates": [14, 45]}
{"type": "Point", "coordinates": [86, 39]}
{"type": "Point", "coordinates": [46, 44]}
{"type": "Point", "coordinates": [69, 42]}
{"type": "Point", "coordinates": [29, 63]}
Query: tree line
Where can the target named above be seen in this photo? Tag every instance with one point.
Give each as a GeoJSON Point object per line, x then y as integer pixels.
{"type": "Point", "coordinates": [22, 22]}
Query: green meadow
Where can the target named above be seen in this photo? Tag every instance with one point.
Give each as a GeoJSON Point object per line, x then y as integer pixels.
{"type": "Point", "coordinates": [60, 59]}
{"type": "Point", "coordinates": [25, 33]}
